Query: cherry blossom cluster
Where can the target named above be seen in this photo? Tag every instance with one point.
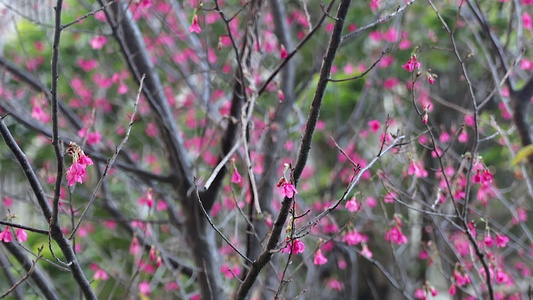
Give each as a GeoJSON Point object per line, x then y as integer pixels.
{"type": "Point", "coordinates": [76, 172]}
{"type": "Point", "coordinates": [6, 236]}
{"type": "Point", "coordinates": [287, 188]}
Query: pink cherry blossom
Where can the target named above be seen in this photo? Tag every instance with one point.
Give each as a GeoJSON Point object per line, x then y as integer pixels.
{"type": "Point", "coordinates": [395, 235]}
{"type": "Point", "coordinates": [21, 235]}
{"type": "Point", "coordinates": [319, 259]}
{"type": "Point", "coordinates": [412, 64]}
{"type": "Point", "coordinates": [353, 237]}
{"type": "Point", "coordinates": [195, 27]}
{"type": "Point", "coordinates": [366, 252]}
{"type": "Point", "coordinates": [389, 198]}
{"type": "Point", "coordinates": [98, 42]}
{"type": "Point", "coordinates": [460, 279]}
{"type": "Point", "coordinates": [94, 138]}
{"type": "Point", "coordinates": [527, 21]}
{"type": "Point", "coordinates": [374, 4]}
{"type": "Point", "coordinates": [283, 52]}
{"type": "Point", "coordinates": [335, 284]}
{"type": "Point", "coordinates": [488, 241]}
{"type": "Point", "coordinates": [294, 247]}
{"type": "Point", "coordinates": [7, 201]}
{"type": "Point", "coordinates": [374, 125]}
{"type": "Point", "coordinates": [431, 78]}
{"type": "Point", "coordinates": [144, 288]}
{"type": "Point", "coordinates": [6, 235]}
{"type": "Point", "coordinates": [75, 173]}
{"type": "Point", "coordinates": [501, 240]}
{"type": "Point", "coordinates": [420, 293]}
{"type": "Point", "coordinates": [288, 190]}
{"type": "Point", "coordinates": [417, 169]}
{"type": "Point", "coordinates": [235, 177]}
{"type": "Point", "coordinates": [452, 290]}
{"type": "Point", "coordinates": [135, 247]}
{"type": "Point", "coordinates": [162, 205]}
{"type": "Point", "coordinates": [85, 159]}
{"type": "Point", "coordinates": [151, 130]}
{"type": "Point", "coordinates": [100, 274]}
{"type": "Point", "coordinates": [352, 205]}
{"type": "Point", "coordinates": [40, 115]}
{"type": "Point", "coordinates": [463, 137]}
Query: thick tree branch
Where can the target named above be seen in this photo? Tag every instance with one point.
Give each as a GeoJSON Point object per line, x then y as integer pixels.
{"type": "Point", "coordinates": [55, 230]}
{"type": "Point", "coordinates": [305, 147]}
{"type": "Point", "coordinates": [131, 43]}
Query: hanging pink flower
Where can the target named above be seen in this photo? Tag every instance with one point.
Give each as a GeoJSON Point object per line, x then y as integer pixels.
{"type": "Point", "coordinates": [195, 27]}
{"type": "Point", "coordinates": [21, 235]}
{"type": "Point", "coordinates": [366, 252]}
{"type": "Point", "coordinates": [75, 173]}
{"type": "Point", "coordinates": [501, 240]}
{"type": "Point", "coordinates": [236, 177]}
{"type": "Point", "coordinates": [320, 259]}
{"type": "Point", "coordinates": [283, 52]}
{"type": "Point", "coordinates": [288, 190]}
{"type": "Point", "coordinates": [294, 247]}
{"type": "Point", "coordinates": [412, 64]}
{"type": "Point", "coordinates": [6, 236]}
{"type": "Point", "coordinates": [396, 235]}
{"type": "Point", "coordinates": [352, 205]}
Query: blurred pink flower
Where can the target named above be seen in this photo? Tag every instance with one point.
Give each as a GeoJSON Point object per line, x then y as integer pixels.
{"type": "Point", "coordinates": [98, 42]}
{"type": "Point", "coordinates": [320, 259]}
{"type": "Point", "coordinates": [195, 27]}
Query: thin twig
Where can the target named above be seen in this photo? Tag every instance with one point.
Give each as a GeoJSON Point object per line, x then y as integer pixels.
{"type": "Point", "coordinates": [216, 229]}
{"type": "Point", "coordinates": [109, 165]}
{"type": "Point", "coordinates": [34, 263]}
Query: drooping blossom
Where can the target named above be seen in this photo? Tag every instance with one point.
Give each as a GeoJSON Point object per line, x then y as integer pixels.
{"type": "Point", "coordinates": [488, 241]}
{"type": "Point", "coordinates": [501, 240]}
{"type": "Point", "coordinates": [389, 198]}
{"type": "Point", "coordinates": [420, 293]}
{"type": "Point", "coordinates": [319, 259]}
{"type": "Point", "coordinates": [412, 64]}
{"type": "Point", "coordinates": [417, 169]}
{"type": "Point", "coordinates": [288, 190]}
{"type": "Point", "coordinates": [352, 205]}
{"type": "Point", "coordinates": [75, 173]}
{"type": "Point", "coordinates": [460, 279]}
{"type": "Point", "coordinates": [353, 237]}
{"type": "Point", "coordinates": [283, 52]}
{"type": "Point", "coordinates": [335, 284]}
{"type": "Point", "coordinates": [195, 27]}
{"type": "Point", "coordinates": [6, 236]}
{"type": "Point", "coordinates": [235, 177]}
{"type": "Point", "coordinates": [366, 252]}
{"type": "Point", "coordinates": [295, 247]}
{"type": "Point", "coordinates": [395, 235]}
{"type": "Point", "coordinates": [431, 78]}
{"type": "Point", "coordinates": [452, 290]}
{"type": "Point", "coordinates": [21, 235]}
